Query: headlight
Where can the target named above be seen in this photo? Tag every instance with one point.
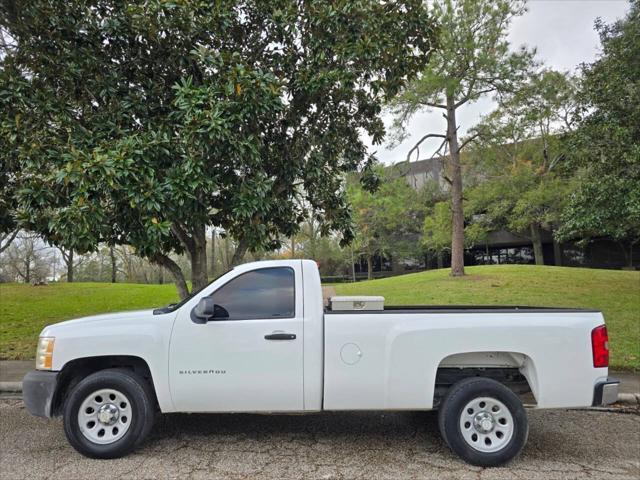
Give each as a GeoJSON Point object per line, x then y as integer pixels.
{"type": "Point", "coordinates": [44, 353]}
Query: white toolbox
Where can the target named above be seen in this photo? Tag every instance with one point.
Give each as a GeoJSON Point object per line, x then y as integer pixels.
{"type": "Point", "coordinates": [356, 303]}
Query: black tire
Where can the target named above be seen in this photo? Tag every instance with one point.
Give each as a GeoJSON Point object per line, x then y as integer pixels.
{"type": "Point", "coordinates": [449, 418]}
{"type": "Point", "coordinates": [142, 400]}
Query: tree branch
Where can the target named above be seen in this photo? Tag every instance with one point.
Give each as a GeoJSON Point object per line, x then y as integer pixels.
{"type": "Point", "coordinates": [434, 105]}
{"type": "Point", "coordinates": [467, 141]}
{"type": "Point", "coordinates": [427, 136]}
{"type": "Point", "coordinates": [467, 96]}
{"type": "Point", "coordinates": [241, 249]}
{"type": "Point", "coordinates": [175, 270]}
{"type": "Point", "coordinates": [184, 238]}
{"type": "Point", "coordinates": [11, 237]}
{"type": "Point", "coordinates": [443, 144]}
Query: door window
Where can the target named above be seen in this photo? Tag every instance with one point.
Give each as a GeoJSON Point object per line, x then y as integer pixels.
{"type": "Point", "coordinates": [260, 294]}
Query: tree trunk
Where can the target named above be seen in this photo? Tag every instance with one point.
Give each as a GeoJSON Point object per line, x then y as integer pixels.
{"type": "Point", "coordinates": [70, 267]}
{"type": "Point", "coordinates": [395, 265]}
{"type": "Point", "coordinates": [557, 253]}
{"type": "Point", "coordinates": [114, 270]}
{"type": "Point", "coordinates": [198, 255]}
{"type": "Point", "coordinates": [195, 241]}
{"type": "Point", "coordinates": [238, 255]}
{"type": "Point", "coordinates": [176, 272]}
{"type": "Point", "coordinates": [628, 256]}
{"type": "Point", "coordinates": [160, 274]}
{"type": "Point", "coordinates": [312, 241]}
{"type": "Point", "coordinates": [537, 244]}
{"type": "Point", "coordinates": [370, 267]}
{"type": "Point", "coordinates": [213, 253]}
{"type": "Point", "coordinates": [457, 227]}
{"type": "Point", "coordinates": [293, 247]}
{"type": "Point", "coordinates": [100, 265]}
{"type": "Point", "coordinates": [199, 277]}
{"type": "Point", "coordinates": [353, 267]}
{"type": "Point", "coordinates": [27, 269]}
{"type": "Point", "coordinates": [228, 256]}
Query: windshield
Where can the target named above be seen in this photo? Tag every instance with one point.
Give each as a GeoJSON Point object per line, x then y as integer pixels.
{"type": "Point", "coordinates": [172, 307]}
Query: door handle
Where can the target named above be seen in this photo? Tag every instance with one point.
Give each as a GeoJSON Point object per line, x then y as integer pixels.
{"type": "Point", "coordinates": [280, 336]}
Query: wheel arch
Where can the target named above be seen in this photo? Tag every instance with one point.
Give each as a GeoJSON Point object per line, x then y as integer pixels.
{"type": "Point", "coordinates": [516, 370]}
{"type": "Point", "coordinates": [75, 370]}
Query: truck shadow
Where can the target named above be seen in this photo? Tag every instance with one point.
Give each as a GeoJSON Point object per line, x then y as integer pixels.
{"type": "Point", "coordinates": [392, 426]}
{"type": "Point", "coordinates": [555, 436]}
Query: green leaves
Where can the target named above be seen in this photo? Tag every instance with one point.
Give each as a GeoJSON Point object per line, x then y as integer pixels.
{"type": "Point", "coordinates": [387, 218]}
{"type": "Point", "coordinates": [127, 121]}
{"type": "Point", "coordinates": [436, 230]}
{"type": "Point", "coordinates": [605, 148]}
{"type": "Point", "coordinates": [472, 59]}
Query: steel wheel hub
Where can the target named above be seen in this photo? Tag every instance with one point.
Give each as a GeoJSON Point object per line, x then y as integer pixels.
{"type": "Point", "coordinates": [105, 416]}
{"type": "Point", "coordinates": [483, 422]}
{"type": "Point", "coordinates": [108, 414]}
{"type": "Point", "coordinates": [486, 424]}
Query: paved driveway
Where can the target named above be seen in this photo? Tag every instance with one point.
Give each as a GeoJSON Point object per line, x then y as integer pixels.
{"type": "Point", "coordinates": [562, 445]}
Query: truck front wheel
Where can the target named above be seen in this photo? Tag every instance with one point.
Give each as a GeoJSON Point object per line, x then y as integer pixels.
{"type": "Point", "coordinates": [483, 422]}
{"type": "Point", "coordinates": [108, 413]}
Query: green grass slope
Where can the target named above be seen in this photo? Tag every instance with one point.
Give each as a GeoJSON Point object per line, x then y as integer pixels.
{"type": "Point", "coordinates": [615, 293]}
{"type": "Point", "coordinates": [25, 310]}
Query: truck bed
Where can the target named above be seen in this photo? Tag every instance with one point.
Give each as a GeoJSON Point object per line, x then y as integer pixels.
{"type": "Point", "coordinates": [390, 358]}
{"type": "Point", "coordinates": [394, 309]}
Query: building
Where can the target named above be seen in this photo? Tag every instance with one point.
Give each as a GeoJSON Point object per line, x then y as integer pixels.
{"type": "Point", "coordinates": [501, 247]}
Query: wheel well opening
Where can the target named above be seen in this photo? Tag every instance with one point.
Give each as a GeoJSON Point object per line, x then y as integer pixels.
{"type": "Point", "coordinates": [75, 370]}
{"type": "Point", "coordinates": [508, 368]}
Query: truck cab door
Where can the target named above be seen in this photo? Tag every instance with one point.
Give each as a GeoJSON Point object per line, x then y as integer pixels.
{"type": "Point", "coordinates": [249, 356]}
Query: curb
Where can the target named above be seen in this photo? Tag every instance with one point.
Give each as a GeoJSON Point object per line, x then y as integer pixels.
{"type": "Point", "coordinates": [629, 398]}
{"type": "Point", "coordinates": [623, 398]}
{"type": "Point", "coordinates": [10, 387]}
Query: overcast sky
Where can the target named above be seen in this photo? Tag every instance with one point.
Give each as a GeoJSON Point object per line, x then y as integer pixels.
{"type": "Point", "coordinates": [563, 34]}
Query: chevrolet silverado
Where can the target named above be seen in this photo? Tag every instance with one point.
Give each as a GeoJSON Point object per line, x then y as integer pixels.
{"type": "Point", "coordinates": [260, 339]}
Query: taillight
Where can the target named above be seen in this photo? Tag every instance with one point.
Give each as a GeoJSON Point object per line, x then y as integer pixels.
{"type": "Point", "coordinates": [600, 346]}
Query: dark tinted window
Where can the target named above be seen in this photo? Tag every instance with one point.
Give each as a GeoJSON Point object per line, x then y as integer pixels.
{"type": "Point", "coordinates": [264, 293]}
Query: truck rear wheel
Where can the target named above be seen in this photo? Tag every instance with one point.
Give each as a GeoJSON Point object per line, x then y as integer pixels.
{"type": "Point", "coordinates": [108, 413]}
{"type": "Point", "coordinates": [483, 422]}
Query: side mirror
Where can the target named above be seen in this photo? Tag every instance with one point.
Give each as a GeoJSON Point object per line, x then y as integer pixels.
{"type": "Point", "coordinates": [207, 310]}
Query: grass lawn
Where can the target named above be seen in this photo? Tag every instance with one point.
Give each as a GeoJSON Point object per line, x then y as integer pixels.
{"type": "Point", "coordinates": [25, 310]}
{"type": "Point", "coordinates": [616, 293]}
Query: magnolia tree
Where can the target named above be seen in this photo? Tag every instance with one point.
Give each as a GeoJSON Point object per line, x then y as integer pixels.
{"type": "Point", "coordinates": [145, 123]}
{"type": "Point", "coordinates": [473, 59]}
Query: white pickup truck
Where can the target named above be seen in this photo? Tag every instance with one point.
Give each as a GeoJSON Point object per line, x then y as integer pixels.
{"type": "Point", "coordinates": [259, 339]}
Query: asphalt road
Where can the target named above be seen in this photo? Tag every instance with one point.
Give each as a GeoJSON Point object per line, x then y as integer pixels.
{"type": "Point", "coordinates": [562, 445]}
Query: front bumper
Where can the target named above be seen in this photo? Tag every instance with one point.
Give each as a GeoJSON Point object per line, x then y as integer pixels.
{"type": "Point", "coordinates": [38, 390]}
{"type": "Point", "coordinates": [606, 392]}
